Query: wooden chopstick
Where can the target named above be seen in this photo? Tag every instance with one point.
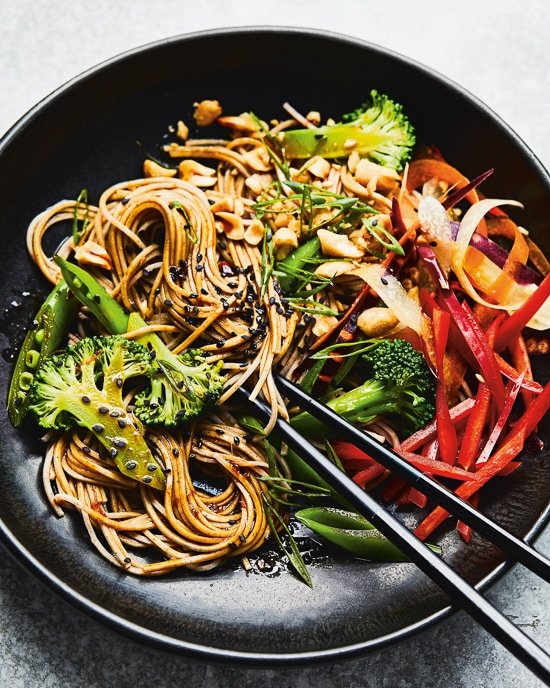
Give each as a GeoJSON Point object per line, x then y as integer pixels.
{"type": "Point", "coordinates": [460, 592]}
{"type": "Point", "coordinates": [514, 547]}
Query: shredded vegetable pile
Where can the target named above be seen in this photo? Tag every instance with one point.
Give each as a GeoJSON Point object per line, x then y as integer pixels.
{"type": "Point", "coordinates": [340, 254]}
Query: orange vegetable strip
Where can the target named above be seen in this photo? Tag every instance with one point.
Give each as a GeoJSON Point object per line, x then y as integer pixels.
{"type": "Point", "coordinates": [474, 427]}
{"type": "Point", "coordinates": [421, 171]}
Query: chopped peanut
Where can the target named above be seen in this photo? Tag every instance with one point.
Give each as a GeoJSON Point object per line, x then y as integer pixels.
{"type": "Point", "coordinates": [242, 123]}
{"type": "Point", "coordinates": [231, 225]}
{"type": "Point", "coordinates": [182, 132]}
{"type": "Point", "coordinates": [91, 253]}
{"type": "Point", "coordinates": [334, 268]}
{"type": "Point", "coordinates": [337, 245]}
{"type": "Point", "coordinates": [153, 169]}
{"type": "Point", "coordinates": [323, 323]}
{"type": "Point", "coordinates": [284, 241]}
{"type": "Point", "coordinates": [206, 112]}
{"type": "Point", "coordinates": [375, 322]}
{"type": "Point", "coordinates": [254, 233]}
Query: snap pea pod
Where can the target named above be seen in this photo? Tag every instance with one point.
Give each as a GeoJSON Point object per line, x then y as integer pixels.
{"type": "Point", "coordinates": [297, 260]}
{"type": "Point", "coordinates": [50, 327]}
{"type": "Point", "coordinates": [95, 297]}
{"type": "Point", "coordinates": [352, 532]}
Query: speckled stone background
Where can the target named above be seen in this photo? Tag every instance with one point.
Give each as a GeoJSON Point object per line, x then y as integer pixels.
{"type": "Point", "coordinates": [499, 51]}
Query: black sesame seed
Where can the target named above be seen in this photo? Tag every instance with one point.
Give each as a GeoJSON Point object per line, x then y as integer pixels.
{"type": "Point", "coordinates": [120, 442]}
{"type": "Point", "coordinates": [103, 410]}
{"type": "Point", "coordinates": [237, 440]}
{"type": "Point", "coordinates": [130, 465]}
{"type": "Point", "coordinates": [151, 467]}
{"type": "Point", "coordinates": [193, 296]}
{"type": "Point", "coordinates": [97, 427]}
{"type": "Point", "coordinates": [384, 281]}
{"type": "Point", "coordinates": [175, 451]}
{"type": "Point", "coordinates": [127, 560]}
{"type": "Point", "coordinates": [168, 302]}
{"type": "Point", "coordinates": [121, 423]}
{"type": "Point", "coordinates": [199, 257]}
{"type": "Point", "coordinates": [147, 479]}
{"type": "Point", "coordinates": [97, 298]}
{"type": "Point", "coordinates": [199, 268]}
{"type": "Point", "coordinates": [220, 343]}
{"type": "Point", "coordinates": [113, 452]}
{"type": "Point", "coordinates": [115, 414]}
{"type": "Point", "coordinates": [86, 449]}
{"type": "Point", "coordinates": [85, 399]}
{"type": "Point", "coordinates": [119, 382]}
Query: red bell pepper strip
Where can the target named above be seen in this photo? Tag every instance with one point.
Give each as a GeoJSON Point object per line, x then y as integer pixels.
{"type": "Point", "coordinates": [518, 320]}
{"type": "Point", "coordinates": [509, 469]}
{"type": "Point", "coordinates": [393, 488]}
{"type": "Point", "coordinates": [512, 390]}
{"type": "Point", "coordinates": [474, 428]}
{"type": "Point", "coordinates": [437, 467]}
{"type": "Point", "coordinates": [446, 433]}
{"type": "Point", "coordinates": [522, 363]}
{"type": "Point", "coordinates": [479, 346]}
{"type": "Point", "coordinates": [528, 385]}
{"type": "Point", "coordinates": [363, 478]}
{"type": "Point", "coordinates": [506, 453]}
{"type": "Point", "coordinates": [464, 530]}
{"type": "Point", "coordinates": [459, 414]}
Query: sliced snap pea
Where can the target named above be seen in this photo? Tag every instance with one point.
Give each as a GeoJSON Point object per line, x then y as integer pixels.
{"type": "Point", "coordinates": [50, 327]}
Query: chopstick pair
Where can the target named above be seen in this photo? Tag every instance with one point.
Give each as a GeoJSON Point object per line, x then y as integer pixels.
{"type": "Point", "coordinates": [460, 592]}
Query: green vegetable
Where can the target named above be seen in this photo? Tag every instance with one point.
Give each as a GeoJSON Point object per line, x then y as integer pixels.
{"type": "Point", "coordinates": [83, 386]}
{"type": "Point", "coordinates": [182, 386]}
{"type": "Point", "coordinates": [49, 329]}
{"type": "Point", "coordinates": [379, 127]}
{"type": "Point", "coordinates": [296, 262]}
{"type": "Point", "coordinates": [352, 532]}
{"type": "Point", "coordinates": [401, 384]}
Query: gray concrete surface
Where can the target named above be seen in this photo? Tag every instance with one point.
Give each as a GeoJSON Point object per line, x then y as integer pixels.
{"type": "Point", "coordinates": [496, 49]}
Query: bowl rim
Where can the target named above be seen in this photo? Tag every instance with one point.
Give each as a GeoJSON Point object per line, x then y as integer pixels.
{"type": "Point", "coordinates": [162, 641]}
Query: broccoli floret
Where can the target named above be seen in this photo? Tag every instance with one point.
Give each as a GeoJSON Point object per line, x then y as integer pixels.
{"type": "Point", "coordinates": [401, 384]}
{"type": "Point", "coordinates": [181, 388]}
{"type": "Point", "coordinates": [83, 386]}
{"type": "Point", "coordinates": [379, 127]}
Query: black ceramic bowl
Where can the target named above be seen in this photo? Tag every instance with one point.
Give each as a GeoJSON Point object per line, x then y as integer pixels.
{"type": "Point", "coordinates": [84, 135]}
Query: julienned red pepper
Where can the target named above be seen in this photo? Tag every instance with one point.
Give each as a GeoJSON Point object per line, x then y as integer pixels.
{"type": "Point", "coordinates": [436, 467]}
{"type": "Point", "coordinates": [512, 390]}
{"type": "Point", "coordinates": [458, 413]}
{"type": "Point", "coordinates": [446, 433]}
{"type": "Point", "coordinates": [520, 359]}
{"type": "Point", "coordinates": [464, 530]}
{"type": "Point", "coordinates": [366, 476]}
{"type": "Point", "coordinates": [474, 428]}
{"type": "Point", "coordinates": [504, 455]}
{"type": "Point", "coordinates": [513, 326]}
{"type": "Point", "coordinates": [479, 346]}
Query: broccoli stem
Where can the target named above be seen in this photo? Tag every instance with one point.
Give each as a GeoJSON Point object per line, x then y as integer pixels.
{"type": "Point", "coordinates": [360, 404]}
{"type": "Point", "coordinates": [333, 142]}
